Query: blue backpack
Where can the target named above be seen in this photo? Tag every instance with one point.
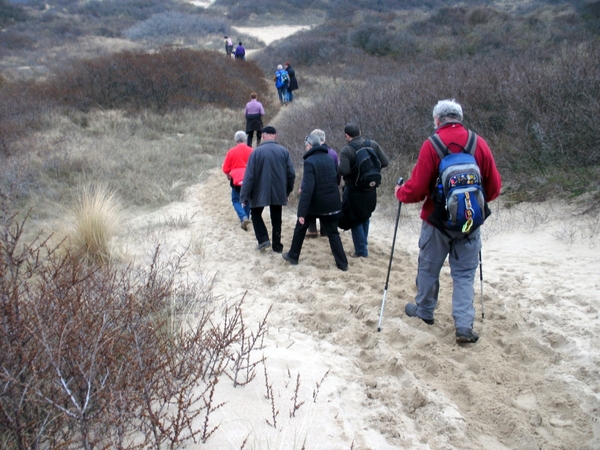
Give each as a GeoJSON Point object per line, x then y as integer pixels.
{"type": "Point", "coordinates": [459, 199]}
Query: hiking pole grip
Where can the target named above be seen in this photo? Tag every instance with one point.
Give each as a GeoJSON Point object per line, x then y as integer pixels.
{"type": "Point", "coordinates": [387, 279]}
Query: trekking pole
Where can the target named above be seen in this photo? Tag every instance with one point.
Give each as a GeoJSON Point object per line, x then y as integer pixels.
{"type": "Point", "coordinates": [481, 281]}
{"type": "Point", "coordinates": [387, 279]}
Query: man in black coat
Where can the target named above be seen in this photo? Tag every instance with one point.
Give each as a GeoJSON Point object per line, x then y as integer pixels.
{"type": "Point", "coordinates": [268, 181]}
{"type": "Point", "coordinates": [319, 198]}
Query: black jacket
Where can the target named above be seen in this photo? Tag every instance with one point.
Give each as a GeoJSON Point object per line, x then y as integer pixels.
{"type": "Point", "coordinates": [293, 81]}
{"type": "Point", "coordinates": [320, 194]}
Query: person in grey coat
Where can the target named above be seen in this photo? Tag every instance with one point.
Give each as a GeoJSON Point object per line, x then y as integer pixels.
{"type": "Point", "coordinates": [319, 197]}
{"type": "Point", "coordinates": [268, 181]}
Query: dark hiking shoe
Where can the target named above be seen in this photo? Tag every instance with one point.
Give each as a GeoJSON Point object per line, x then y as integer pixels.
{"type": "Point", "coordinates": [278, 248]}
{"type": "Point", "coordinates": [411, 311]}
{"type": "Point", "coordinates": [343, 269]}
{"type": "Point", "coordinates": [354, 255]}
{"type": "Point", "coordinates": [289, 259]}
{"type": "Point", "coordinates": [263, 245]}
{"type": "Point", "coordinates": [312, 234]}
{"type": "Point", "coordinates": [466, 335]}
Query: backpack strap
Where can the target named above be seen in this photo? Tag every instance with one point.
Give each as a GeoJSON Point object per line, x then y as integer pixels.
{"type": "Point", "coordinates": [357, 148]}
{"type": "Point", "coordinates": [438, 145]}
{"type": "Point", "coordinates": [471, 143]}
{"type": "Point", "coordinates": [443, 151]}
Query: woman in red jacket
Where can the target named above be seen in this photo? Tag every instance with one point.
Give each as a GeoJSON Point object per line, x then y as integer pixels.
{"type": "Point", "coordinates": [234, 167]}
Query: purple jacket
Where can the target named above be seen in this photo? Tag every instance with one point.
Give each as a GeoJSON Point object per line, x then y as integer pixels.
{"type": "Point", "coordinates": [255, 107]}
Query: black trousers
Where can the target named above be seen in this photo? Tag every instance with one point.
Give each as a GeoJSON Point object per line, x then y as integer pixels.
{"type": "Point", "coordinates": [330, 224]}
{"type": "Point", "coordinates": [260, 229]}
{"type": "Point", "coordinates": [258, 137]}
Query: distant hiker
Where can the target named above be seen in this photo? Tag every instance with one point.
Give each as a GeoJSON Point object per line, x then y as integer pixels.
{"type": "Point", "coordinates": [359, 201]}
{"type": "Point", "coordinates": [293, 81]}
{"type": "Point", "coordinates": [234, 167]}
{"type": "Point", "coordinates": [268, 181]}
{"type": "Point", "coordinates": [312, 222]}
{"type": "Point", "coordinates": [319, 197]}
{"type": "Point", "coordinates": [253, 114]}
{"type": "Point", "coordinates": [228, 46]}
{"type": "Point", "coordinates": [240, 52]}
{"type": "Point", "coordinates": [462, 248]}
{"type": "Point", "coordinates": [282, 80]}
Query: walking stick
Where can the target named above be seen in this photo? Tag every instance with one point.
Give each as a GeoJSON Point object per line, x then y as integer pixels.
{"type": "Point", "coordinates": [387, 279]}
{"type": "Point", "coordinates": [481, 281]}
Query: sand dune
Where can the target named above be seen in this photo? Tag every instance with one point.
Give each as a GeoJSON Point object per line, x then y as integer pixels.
{"type": "Point", "coordinates": [531, 382]}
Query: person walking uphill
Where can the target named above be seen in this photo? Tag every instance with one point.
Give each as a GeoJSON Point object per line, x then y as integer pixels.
{"type": "Point", "coordinates": [319, 197]}
{"type": "Point", "coordinates": [240, 52]}
{"type": "Point", "coordinates": [282, 81]}
{"type": "Point", "coordinates": [254, 113]}
{"type": "Point", "coordinates": [268, 181]}
{"type": "Point", "coordinates": [293, 86]}
{"type": "Point", "coordinates": [358, 203]}
{"type": "Point", "coordinates": [234, 168]}
{"type": "Point", "coordinates": [228, 46]}
{"type": "Point", "coordinates": [436, 242]}
{"type": "Point", "coordinates": [312, 224]}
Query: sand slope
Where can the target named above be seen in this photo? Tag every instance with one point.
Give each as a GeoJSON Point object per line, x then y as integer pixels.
{"type": "Point", "coordinates": [531, 382]}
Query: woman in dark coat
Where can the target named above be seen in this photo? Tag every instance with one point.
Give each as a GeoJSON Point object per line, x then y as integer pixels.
{"type": "Point", "coordinates": [293, 81]}
{"type": "Point", "coordinates": [319, 198]}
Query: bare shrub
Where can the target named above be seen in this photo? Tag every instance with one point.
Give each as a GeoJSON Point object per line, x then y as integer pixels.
{"type": "Point", "coordinates": [100, 357]}
{"type": "Point", "coordinates": [9, 14]}
{"type": "Point", "coordinates": [537, 116]}
{"type": "Point", "coordinates": [169, 26]}
{"type": "Point", "coordinates": [167, 80]}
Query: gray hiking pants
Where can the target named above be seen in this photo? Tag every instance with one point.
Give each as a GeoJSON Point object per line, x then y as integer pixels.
{"type": "Point", "coordinates": [463, 256]}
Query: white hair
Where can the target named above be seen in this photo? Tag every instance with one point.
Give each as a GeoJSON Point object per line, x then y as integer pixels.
{"type": "Point", "coordinates": [240, 136]}
{"type": "Point", "coordinates": [320, 134]}
{"type": "Point", "coordinates": [447, 109]}
{"type": "Point", "coordinates": [279, 67]}
{"type": "Point", "coordinates": [313, 139]}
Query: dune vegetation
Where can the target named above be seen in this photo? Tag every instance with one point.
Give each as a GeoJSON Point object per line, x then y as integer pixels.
{"type": "Point", "coordinates": [136, 96]}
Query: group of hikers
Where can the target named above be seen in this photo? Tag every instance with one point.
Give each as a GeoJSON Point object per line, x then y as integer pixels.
{"type": "Point", "coordinates": [455, 176]}
{"type": "Point", "coordinates": [285, 83]}
{"type": "Point", "coordinates": [238, 53]}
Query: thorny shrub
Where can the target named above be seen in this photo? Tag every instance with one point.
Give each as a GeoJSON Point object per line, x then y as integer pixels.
{"type": "Point", "coordinates": [100, 357]}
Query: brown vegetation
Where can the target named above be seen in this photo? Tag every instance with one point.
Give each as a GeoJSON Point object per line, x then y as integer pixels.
{"type": "Point", "coordinates": [99, 357]}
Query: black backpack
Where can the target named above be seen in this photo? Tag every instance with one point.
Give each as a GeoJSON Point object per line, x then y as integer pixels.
{"type": "Point", "coordinates": [367, 167]}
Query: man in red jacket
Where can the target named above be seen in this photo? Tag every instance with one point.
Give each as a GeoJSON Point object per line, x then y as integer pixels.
{"type": "Point", "coordinates": [462, 249]}
{"type": "Point", "coordinates": [234, 168]}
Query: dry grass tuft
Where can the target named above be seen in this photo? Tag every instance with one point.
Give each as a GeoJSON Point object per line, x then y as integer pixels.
{"type": "Point", "coordinates": [97, 216]}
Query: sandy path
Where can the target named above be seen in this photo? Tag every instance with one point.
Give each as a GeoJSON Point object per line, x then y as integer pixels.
{"type": "Point", "coordinates": [531, 382]}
